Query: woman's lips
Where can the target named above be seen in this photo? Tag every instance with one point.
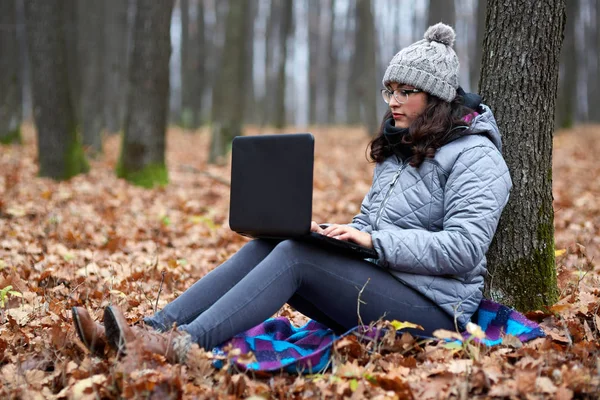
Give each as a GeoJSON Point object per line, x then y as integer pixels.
{"type": "Point", "coordinates": [396, 116]}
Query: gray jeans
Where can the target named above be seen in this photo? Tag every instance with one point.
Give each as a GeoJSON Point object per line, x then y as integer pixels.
{"type": "Point", "coordinates": [264, 275]}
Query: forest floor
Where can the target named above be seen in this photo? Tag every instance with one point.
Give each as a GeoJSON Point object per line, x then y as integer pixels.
{"type": "Point", "coordinates": [96, 240]}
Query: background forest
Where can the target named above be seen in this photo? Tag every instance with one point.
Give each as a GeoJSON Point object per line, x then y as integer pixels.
{"type": "Point", "coordinates": [153, 91]}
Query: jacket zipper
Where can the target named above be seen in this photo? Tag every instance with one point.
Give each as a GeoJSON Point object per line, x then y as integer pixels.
{"type": "Point", "coordinates": [388, 194]}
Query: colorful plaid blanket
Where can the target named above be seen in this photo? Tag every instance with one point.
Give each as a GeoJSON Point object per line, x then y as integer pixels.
{"type": "Point", "coordinates": [278, 345]}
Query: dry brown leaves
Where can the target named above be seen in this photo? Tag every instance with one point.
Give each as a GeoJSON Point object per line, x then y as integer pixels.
{"type": "Point", "coordinates": [96, 240]}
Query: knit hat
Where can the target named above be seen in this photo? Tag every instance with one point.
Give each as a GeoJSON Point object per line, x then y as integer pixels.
{"type": "Point", "coordinates": [429, 64]}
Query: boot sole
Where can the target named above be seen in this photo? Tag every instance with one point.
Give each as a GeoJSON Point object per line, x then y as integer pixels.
{"type": "Point", "coordinates": [113, 331]}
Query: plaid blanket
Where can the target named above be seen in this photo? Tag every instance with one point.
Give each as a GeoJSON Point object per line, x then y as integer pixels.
{"type": "Point", "coordinates": [278, 345]}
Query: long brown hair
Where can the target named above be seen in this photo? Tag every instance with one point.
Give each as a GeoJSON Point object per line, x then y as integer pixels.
{"type": "Point", "coordinates": [428, 132]}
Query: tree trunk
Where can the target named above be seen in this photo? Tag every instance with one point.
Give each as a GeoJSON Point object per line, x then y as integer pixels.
{"type": "Point", "coordinates": [60, 152]}
{"type": "Point", "coordinates": [592, 49]}
{"type": "Point", "coordinates": [441, 11]}
{"type": "Point", "coordinates": [10, 96]}
{"type": "Point", "coordinates": [285, 28]}
{"type": "Point", "coordinates": [116, 33]}
{"type": "Point", "coordinates": [270, 42]}
{"type": "Point", "coordinates": [91, 46]}
{"type": "Point", "coordinates": [313, 57]}
{"type": "Point", "coordinates": [187, 92]}
{"type": "Point", "coordinates": [250, 108]}
{"type": "Point", "coordinates": [228, 102]}
{"type": "Point", "coordinates": [475, 67]}
{"type": "Point", "coordinates": [71, 31]}
{"type": "Point", "coordinates": [364, 80]}
{"type": "Point", "coordinates": [519, 79]}
{"type": "Point", "coordinates": [142, 159]}
{"type": "Point", "coordinates": [332, 68]}
{"type": "Point", "coordinates": [566, 99]}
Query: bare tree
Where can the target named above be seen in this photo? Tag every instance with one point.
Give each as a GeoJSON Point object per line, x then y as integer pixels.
{"type": "Point", "coordinates": [519, 80]}
{"type": "Point", "coordinates": [228, 102]}
{"type": "Point", "coordinates": [91, 56]}
{"type": "Point", "coordinates": [116, 35]}
{"type": "Point", "coordinates": [567, 85]}
{"type": "Point", "coordinates": [285, 29]}
{"type": "Point", "coordinates": [363, 79]}
{"type": "Point", "coordinates": [142, 159]}
{"type": "Point", "coordinates": [60, 152]}
{"type": "Point", "coordinates": [10, 95]}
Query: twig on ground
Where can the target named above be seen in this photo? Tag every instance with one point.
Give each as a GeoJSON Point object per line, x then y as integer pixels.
{"type": "Point", "coordinates": [360, 321]}
{"type": "Point", "coordinates": [162, 279]}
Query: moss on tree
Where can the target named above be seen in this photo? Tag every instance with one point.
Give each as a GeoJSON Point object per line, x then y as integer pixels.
{"type": "Point", "coordinates": [149, 176]}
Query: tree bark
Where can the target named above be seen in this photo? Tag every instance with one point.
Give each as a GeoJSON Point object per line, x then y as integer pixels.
{"type": "Point", "coordinates": [228, 102]}
{"type": "Point", "coordinates": [60, 153]}
{"type": "Point", "coordinates": [10, 82]}
{"type": "Point", "coordinates": [567, 86]}
{"type": "Point", "coordinates": [285, 28]}
{"type": "Point", "coordinates": [91, 46]}
{"type": "Point", "coordinates": [519, 81]}
{"type": "Point", "coordinates": [71, 31]}
{"type": "Point", "coordinates": [142, 159]}
{"type": "Point", "coordinates": [116, 34]}
{"type": "Point", "coordinates": [441, 11]}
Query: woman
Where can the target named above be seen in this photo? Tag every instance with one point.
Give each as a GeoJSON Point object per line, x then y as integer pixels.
{"type": "Point", "coordinates": [439, 187]}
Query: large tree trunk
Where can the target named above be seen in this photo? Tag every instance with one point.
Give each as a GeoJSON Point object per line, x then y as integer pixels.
{"type": "Point", "coordinates": [566, 99]}
{"type": "Point", "coordinates": [441, 11]}
{"type": "Point", "coordinates": [91, 53]}
{"type": "Point", "coordinates": [285, 28]}
{"type": "Point", "coordinates": [142, 160]}
{"type": "Point", "coordinates": [519, 79]}
{"type": "Point", "coordinates": [71, 11]}
{"type": "Point", "coordinates": [228, 102]}
{"type": "Point", "coordinates": [60, 152]}
{"type": "Point", "coordinates": [10, 94]}
{"type": "Point", "coordinates": [116, 34]}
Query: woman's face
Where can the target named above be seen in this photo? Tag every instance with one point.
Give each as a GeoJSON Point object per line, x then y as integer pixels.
{"type": "Point", "coordinates": [404, 114]}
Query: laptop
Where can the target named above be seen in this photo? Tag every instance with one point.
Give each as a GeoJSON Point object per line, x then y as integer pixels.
{"type": "Point", "coordinates": [271, 191]}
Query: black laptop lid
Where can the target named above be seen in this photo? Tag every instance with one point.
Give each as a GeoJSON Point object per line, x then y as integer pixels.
{"type": "Point", "coordinates": [271, 185]}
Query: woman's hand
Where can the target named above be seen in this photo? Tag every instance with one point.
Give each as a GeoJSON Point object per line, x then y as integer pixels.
{"type": "Point", "coordinates": [345, 232]}
{"type": "Point", "coordinates": [314, 227]}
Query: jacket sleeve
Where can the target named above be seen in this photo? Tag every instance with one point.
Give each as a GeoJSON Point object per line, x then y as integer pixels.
{"type": "Point", "coordinates": [475, 194]}
{"type": "Point", "coordinates": [361, 221]}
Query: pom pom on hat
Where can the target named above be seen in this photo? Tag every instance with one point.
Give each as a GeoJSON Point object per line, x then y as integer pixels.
{"type": "Point", "coordinates": [441, 33]}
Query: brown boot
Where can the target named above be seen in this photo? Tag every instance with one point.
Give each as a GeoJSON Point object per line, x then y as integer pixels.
{"type": "Point", "coordinates": [173, 345]}
{"type": "Point", "coordinates": [91, 333]}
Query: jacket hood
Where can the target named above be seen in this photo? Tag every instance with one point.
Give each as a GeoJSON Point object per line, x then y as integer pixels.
{"type": "Point", "coordinates": [485, 124]}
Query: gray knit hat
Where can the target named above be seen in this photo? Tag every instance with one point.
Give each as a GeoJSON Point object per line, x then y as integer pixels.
{"type": "Point", "coordinates": [429, 64]}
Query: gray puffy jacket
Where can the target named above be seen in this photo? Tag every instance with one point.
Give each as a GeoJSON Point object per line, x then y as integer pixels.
{"type": "Point", "coordinates": [431, 226]}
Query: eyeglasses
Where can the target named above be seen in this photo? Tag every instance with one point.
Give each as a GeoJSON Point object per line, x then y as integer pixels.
{"type": "Point", "coordinates": [401, 95]}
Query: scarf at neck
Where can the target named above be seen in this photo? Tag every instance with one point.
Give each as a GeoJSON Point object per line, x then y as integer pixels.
{"type": "Point", "coordinates": [394, 138]}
